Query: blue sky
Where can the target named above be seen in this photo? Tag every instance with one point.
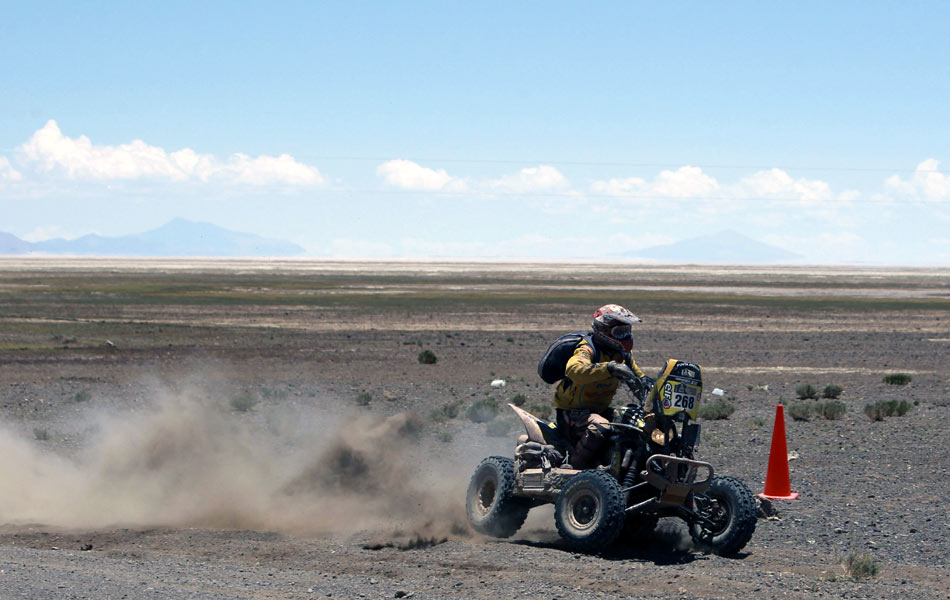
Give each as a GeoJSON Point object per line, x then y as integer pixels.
{"type": "Point", "coordinates": [492, 130]}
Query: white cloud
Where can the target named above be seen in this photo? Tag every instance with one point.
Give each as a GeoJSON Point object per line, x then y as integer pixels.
{"type": "Point", "coordinates": [408, 175]}
{"type": "Point", "coordinates": [779, 185]}
{"type": "Point", "coordinates": [927, 182]}
{"type": "Point", "coordinates": [7, 172]}
{"type": "Point", "coordinates": [531, 179]}
{"type": "Point", "coordinates": [685, 182]}
{"type": "Point", "coordinates": [80, 159]}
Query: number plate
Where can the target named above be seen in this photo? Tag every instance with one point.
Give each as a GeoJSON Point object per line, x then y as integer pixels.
{"type": "Point", "coordinates": [679, 397]}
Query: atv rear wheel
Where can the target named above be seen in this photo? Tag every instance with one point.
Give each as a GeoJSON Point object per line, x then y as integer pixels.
{"type": "Point", "coordinates": [589, 512]}
{"type": "Point", "coordinates": [492, 508]}
{"type": "Point", "coordinates": [730, 505]}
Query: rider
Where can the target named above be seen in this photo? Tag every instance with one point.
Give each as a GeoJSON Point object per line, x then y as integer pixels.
{"type": "Point", "coordinates": [583, 397]}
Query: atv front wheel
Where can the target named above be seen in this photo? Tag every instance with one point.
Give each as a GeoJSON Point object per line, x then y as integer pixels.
{"type": "Point", "coordinates": [589, 512]}
{"type": "Point", "coordinates": [492, 507]}
{"type": "Point", "coordinates": [730, 505]}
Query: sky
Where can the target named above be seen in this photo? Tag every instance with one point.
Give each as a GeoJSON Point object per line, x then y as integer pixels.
{"type": "Point", "coordinates": [499, 130]}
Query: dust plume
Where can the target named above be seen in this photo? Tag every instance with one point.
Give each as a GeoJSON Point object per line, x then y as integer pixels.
{"type": "Point", "coordinates": [190, 462]}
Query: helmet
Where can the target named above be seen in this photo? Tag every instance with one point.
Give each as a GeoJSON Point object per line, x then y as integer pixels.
{"type": "Point", "coordinates": [612, 327]}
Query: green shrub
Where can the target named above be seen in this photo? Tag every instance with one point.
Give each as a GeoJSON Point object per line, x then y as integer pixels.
{"type": "Point", "coordinates": [243, 402]}
{"type": "Point", "coordinates": [40, 434]}
{"type": "Point", "coordinates": [498, 428]}
{"type": "Point", "coordinates": [832, 410]}
{"type": "Point", "coordinates": [445, 437]}
{"type": "Point", "coordinates": [897, 379]}
{"type": "Point", "coordinates": [876, 411]}
{"type": "Point", "coordinates": [445, 412]}
{"type": "Point", "coordinates": [519, 399]}
{"type": "Point", "coordinates": [860, 566]}
{"type": "Point", "coordinates": [427, 357]}
{"type": "Point", "coordinates": [483, 411]}
{"type": "Point", "coordinates": [886, 408]}
{"type": "Point", "coordinates": [82, 396]}
{"type": "Point", "coordinates": [901, 408]}
{"type": "Point", "coordinates": [541, 411]}
{"type": "Point", "coordinates": [364, 398]}
{"type": "Point", "coordinates": [716, 411]}
{"type": "Point", "coordinates": [806, 391]}
{"type": "Point", "coordinates": [800, 411]}
{"type": "Point", "coordinates": [832, 391]}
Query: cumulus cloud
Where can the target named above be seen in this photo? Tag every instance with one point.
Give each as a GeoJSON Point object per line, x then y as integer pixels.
{"type": "Point", "coordinates": [7, 172]}
{"type": "Point", "coordinates": [79, 159]}
{"type": "Point", "coordinates": [531, 179]}
{"type": "Point", "coordinates": [777, 184]}
{"type": "Point", "coordinates": [690, 182]}
{"type": "Point", "coordinates": [408, 175]}
{"type": "Point", "coordinates": [685, 182]}
{"type": "Point", "coordinates": [927, 182]}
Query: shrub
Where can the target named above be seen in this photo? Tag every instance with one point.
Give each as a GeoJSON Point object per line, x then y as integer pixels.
{"type": "Point", "coordinates": [800, 411]}
{"type": "Point", "coordinates": [364, 398]}
{"type": "Point", "coordinates": [541, 411]}
{"type": "Point", "coordinates": [82, 396]}
{"type": "Point", "coordinates": [901, 408]}
{"type": "Point", "coordinates": [445, 412]}
{"type": "Point", "coordinates": [832, 391]}
{"type": "Point", "coordinates": [243, 402]}
{"type": "Point", "coordinates": [860, 566]}
{"type": "Point", "coordinates": [483, 411]}
{"type": "Point", "coordinates": [897, 379]}
{"type": "Point", "coordinates": [519, 399]}
{"type": "Point", "coordinates": [40, 434]}
{"type": "Point", "coordinates": [886, 408]}
{"type": "Point", "coordinates": [716, 411]}
{"type": "Point", "coordinates": [498, 428]}
{"type": "Point", "coordinates": [806, 391]}
{"type": "Point", "coordinates": [427, 357]}
{"type": "Point", "coordinates": [876, 411]}
{"type": "Point", "coordinates": [832, 410]}
{"type": "Point", "coordinates": [444, 436]}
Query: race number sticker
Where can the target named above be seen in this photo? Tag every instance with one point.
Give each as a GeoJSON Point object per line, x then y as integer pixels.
{"type": "Point", "coordinates": [680, 397]}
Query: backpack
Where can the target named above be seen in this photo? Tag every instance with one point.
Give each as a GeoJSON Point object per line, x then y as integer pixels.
{"type": "Point", "coordinates": [552, 364]}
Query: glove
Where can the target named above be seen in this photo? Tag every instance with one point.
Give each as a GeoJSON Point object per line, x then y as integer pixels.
{"type": "Point", "coordinates": [647, 382]}
{"type": "Point", "coordinates": [621, 371]}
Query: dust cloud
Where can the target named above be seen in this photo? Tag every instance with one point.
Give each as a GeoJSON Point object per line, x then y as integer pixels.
{"type": "Point", "coordinates": [190, 462]}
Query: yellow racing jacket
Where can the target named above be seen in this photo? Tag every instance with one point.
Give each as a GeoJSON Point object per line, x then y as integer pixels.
{"type": "Point", "coordinates": [587, 384]}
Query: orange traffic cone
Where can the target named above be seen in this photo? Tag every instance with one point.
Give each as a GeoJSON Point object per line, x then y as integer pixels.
{"type": "Point", "coordinates": [777, 484]}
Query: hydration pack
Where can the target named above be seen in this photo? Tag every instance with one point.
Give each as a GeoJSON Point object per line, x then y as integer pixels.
{"type": "Point", "coordinates": [552, 364]}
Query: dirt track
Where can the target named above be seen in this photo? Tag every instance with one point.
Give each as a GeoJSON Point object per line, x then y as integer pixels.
{"type": "Point", "coordinates": [128, 472]}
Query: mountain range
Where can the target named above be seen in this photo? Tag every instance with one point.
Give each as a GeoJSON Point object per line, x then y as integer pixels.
{"type": "Point", "coordinates": [178, 237]}
{"type": "Point", "coordinates": [726, 246]}
{"type": "Point", "coordinates": [183, 238]}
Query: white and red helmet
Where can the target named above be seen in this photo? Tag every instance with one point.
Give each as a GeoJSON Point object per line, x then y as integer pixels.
{"type": "Point", "coordinates": [612, 327]}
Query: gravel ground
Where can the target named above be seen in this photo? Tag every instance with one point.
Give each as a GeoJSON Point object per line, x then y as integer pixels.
{"type": "Point", "coordinates": [86, 432]}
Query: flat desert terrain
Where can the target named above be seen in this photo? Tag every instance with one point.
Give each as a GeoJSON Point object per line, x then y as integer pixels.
{"type": "Point", "coordinates": [265, 429]}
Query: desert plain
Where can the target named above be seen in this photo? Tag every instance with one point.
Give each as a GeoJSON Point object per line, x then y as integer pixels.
{"type": "Point", "coordinates": [266, 429]}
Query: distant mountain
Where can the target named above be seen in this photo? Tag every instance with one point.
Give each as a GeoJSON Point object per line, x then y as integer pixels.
{"type": "Point", "coordinates": [723, 247]}
{"type": "Point", "coordinates": [176, 238]}
{"type": "Point", "coordinates": [11, 244]}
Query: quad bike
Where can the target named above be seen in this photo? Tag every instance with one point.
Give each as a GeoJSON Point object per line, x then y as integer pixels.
{"type": "Point", "coordinates": [647, 470]}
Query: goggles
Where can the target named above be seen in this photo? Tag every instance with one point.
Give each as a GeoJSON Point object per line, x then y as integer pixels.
{"type": "Point", "coordinates": [621, 333]}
